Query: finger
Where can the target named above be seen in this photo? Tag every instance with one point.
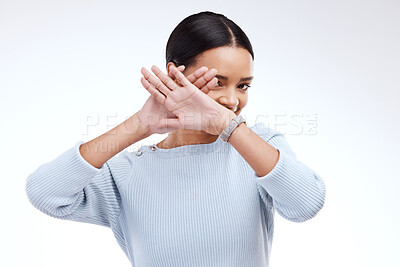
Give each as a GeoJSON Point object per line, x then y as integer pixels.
{"type": "Point", "coordinates": [210, 85]}
{"type": "Point", "coordinates": [181, 68]}
{"type": "Point", "coordinates": [153, 91]}
{"type": "Point", "coordinates": [179, 76]}
{"type": "Point", "coordinates": [204, 79]}
{"type": "Point", "coordinates": [155, 82]}
{"type": "Point", "coordinates": [165, 79]}
{"type": "Point", "coordinates": [210, 74]}
{"type": "Point", "coordinates": [197, 74]}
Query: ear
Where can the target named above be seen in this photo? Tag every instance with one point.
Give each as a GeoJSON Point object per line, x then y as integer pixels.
{"type": "Point", "coordinates": [169, 64]}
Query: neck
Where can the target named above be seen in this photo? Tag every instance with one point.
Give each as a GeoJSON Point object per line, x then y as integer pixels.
{"type": "Point", "coordinates": [184, 137]}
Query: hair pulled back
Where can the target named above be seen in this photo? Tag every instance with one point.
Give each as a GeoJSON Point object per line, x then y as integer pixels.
{"type": "Point", "coordinates": [200, 32]}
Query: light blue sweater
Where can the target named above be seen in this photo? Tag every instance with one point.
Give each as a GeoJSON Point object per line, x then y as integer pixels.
{"type": "Point", "coordinates": [194, 205]}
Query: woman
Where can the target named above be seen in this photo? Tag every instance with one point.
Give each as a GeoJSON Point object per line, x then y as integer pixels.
{"type": "Point", "coordinates": [205, 195]}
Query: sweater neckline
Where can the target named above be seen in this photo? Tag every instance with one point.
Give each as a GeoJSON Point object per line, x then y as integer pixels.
{"type": "Point", "coordinates": [186, 150]}
{"type": "Point", "coordinates": [218, 146]}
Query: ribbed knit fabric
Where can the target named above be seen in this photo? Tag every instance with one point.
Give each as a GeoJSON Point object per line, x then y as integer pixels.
{"type": "Point", "coordinates": [193, 205]}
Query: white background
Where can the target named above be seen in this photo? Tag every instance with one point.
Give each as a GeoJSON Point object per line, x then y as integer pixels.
{"type": "Point", "coordinates": [65, 65]}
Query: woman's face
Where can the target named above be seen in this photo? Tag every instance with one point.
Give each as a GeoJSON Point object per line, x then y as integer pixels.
{"type": "Point", "coordinates": [234, 67]}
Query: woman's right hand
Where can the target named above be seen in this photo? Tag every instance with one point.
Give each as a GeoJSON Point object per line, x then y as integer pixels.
{"type": "Point", "coordinates": [155, 117]}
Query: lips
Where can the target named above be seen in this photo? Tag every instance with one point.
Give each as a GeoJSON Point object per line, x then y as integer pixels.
{"type": "Point", "coordinates": [233, 109]}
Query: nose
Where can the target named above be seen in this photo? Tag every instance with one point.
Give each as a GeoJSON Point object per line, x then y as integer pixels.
{"type": "Point", "coordinates": [229, 99]}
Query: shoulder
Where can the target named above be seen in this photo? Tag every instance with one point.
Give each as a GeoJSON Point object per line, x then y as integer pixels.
{"type": "Point", "coordinates": [121, 165]}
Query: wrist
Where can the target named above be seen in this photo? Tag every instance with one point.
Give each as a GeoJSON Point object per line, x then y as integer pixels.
{"type": "Point", "coordinates": [227, 119]}
{"type": "Point", "coordinates": [139, 126]}
{"type": "Point", "coordinates": [232, 126]}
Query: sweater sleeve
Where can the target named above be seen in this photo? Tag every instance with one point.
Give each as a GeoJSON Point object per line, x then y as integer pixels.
{"type": "Point", "coordinates": [293, 189]}
{"type": "Point", "coordinates": [70, 188]}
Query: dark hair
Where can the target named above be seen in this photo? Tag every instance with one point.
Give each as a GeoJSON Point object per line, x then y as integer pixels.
{"type": "Point", "coordinates": [200, 32]}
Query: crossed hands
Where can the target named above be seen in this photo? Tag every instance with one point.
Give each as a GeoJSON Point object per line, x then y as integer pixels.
{"type": "Point", "coordinates": [179, 102]}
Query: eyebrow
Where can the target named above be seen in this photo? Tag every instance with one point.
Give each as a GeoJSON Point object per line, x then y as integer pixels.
{"type": "Point", "coordinates": [241, 80]}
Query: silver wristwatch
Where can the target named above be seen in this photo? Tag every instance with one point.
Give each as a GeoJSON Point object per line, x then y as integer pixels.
{"type": "Point", "coordinates": [226, 133]}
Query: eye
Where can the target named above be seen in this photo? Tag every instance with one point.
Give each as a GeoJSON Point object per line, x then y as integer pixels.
{"type": "Point", "coordinates": [218, 84]}
{"type": "Point", "coordinates": [244, 84]}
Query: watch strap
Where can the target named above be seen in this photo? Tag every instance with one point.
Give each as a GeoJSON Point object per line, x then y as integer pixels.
{"type": "Point", "coordinates": [226, 133]}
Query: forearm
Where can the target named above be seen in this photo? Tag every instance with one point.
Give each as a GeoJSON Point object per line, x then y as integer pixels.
{"type": "Point", "coordinates": [298, 192]}
{"type": "Point", "coordinates": [102, 148]}
{"type": "Point", "coordinates": [260, 155]}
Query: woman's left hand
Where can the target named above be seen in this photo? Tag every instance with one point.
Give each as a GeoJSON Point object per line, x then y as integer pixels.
{"type": "Point", "coordinates": [194, 109]}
